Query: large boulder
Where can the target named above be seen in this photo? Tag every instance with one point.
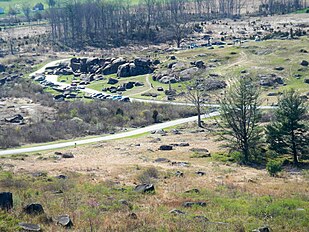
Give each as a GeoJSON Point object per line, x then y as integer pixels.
{"type": "Point", "coordinates": [113, 66]}
{"type": "Point", "coordinates": [75, 64]}
{"type": "Point", "coordinates": [6, 200]}
{"type": "Point", "coordinates": [33, 209]}
{"type": "Point", "coordinates": [213, 84]}
{"type": "Point", "coordinates": [2, 68]}
{"type": "Point", "coordinates": [138, 67]}
{"type": "Point", "coordinates": [187, 74]}
{"type": "Point", "coordinates": [129, 85]}
{"type": "Point", "coordinates": [124, 70]}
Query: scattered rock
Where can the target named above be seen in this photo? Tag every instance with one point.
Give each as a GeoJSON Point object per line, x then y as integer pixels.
{"type": "Point", "coordinates": [179, 174]}
{"type": "Point", "coordinates": [181, 164]}
{"type": "Point", "coordinates": [6, 201]}
{"type": "Point", "coordinates": [61, 176]}
{"type": "Point", "coordinates": [262, 229]}
{"type": "Point", "coordinates": [279, 68]}
{"type": "Point", "coordinates": [190, 204]}
{"type": "Point", "coordinates": [112, 81]}
{"type": "Point", "coordinates": [304, 63]}
{"type": "Point", "coordinates": [132, 216]}
{"type": "Point", "coordinates": [160, 132]}
{"type": "Point", "coordinates": [33, 209]}
{"type": "Point", "coordinates": [184, 145]}
{"type": "Point", "coordinates": [123, 202]}
{"type": "Point", "coordinates": [175, 132]}
{"type": "Point", "coordinates": [177, 212]}
{"type": "Point", "coordinates": [65, 221]}
{"type": "Point", "coordinates": [201, 218]}
{"type": "Point", "coordinates": [271, 94]}
{"type": "Point", "coordinates": [166, 148]}
{"type": "Point", "coordinates": [144, 188]}
{"type": "Point", "coordinates": [306, 81]}
{"type": "Point", "coordinates": [162, 160]}
{"type": "Point", "coordinates": [67, 155]}
{"type": "Point", "coordinates": [2, 68]}
{"type": "Point", "coordinates": [192, 191]}
{"type": "Point", "coordinates": [29, 227]}
{"type": "Point", "coordinates": [200, 173]}
{"type": "Point", "coordinates": [18, 118]}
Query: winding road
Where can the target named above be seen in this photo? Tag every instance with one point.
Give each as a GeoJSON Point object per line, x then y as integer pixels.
{"type": "Point", "coordinates": [53, 78]}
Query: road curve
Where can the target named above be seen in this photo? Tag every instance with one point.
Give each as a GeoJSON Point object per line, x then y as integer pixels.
{"type": "Point", "coordinates": [53, 78]}
{"type": "Point", "coordinates": [104, 138]}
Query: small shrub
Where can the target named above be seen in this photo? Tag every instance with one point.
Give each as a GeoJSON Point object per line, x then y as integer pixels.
{"type": "Point", "coordinates": [237, 157]}
{"type": "Point", "coordinates": [274, 167]}
{"type": "Point", "coordinates": [147, 176]}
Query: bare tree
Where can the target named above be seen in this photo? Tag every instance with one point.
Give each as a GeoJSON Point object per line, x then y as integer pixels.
{"type": "Point", "coordinates": [196, 94]}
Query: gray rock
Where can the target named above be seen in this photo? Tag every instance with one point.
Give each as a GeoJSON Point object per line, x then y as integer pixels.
{"type": "Point", "coordinates": [112, 81]}
{"type": "Point", "coordinates": [200, 173]}
{"type": "Point", "coordinates": [162, 160]}
{"type": "Point", "coordinates": [18, 118]}
{"type": "Point", "coordinates": [65, 221]}
{"type": "Point", "coordinates": [192, 191]}
{"type": "Point", "coordinates": [177, 212]}
{"type": "Point", "coordinates": [2, 68]}
{"type": "Point", "coordinates": [132, 216]}
{"type": "Point", "coordinates": [201, 218]}
{"type": "Point", "coordinates": [279, 68]}
{"type": "Point", "coordinates": [6, 201]}
{"type": "Point", "coordinates": [113, 67]}
{"type": "Point", "coordinates": [166, 148]}
{"type": "Point", "coordinates": [29, 227]}
{"type": "Point", "coordinates": [181, 164]}
{"type": "Point", "coordinates": [179, 174]}
{"type": "Point", "coordinates": [144, 188]}
{"type": "Point", "coordinates": [304, 63]}
{"type": "Point", "coordinates": [33, 209]}
{"type": "Point", "coordinates": [200, 64]}
{"type": "Point", "coordinates": [190, 204]}
{"type": "Point", "coordinates": [306, 81]}
{"type": "Point", "coordinates": [67, 155]}
{"type": "Point", "coordinates": [262, 229]}
{"type": "Point", "coordinates": [213, 84]}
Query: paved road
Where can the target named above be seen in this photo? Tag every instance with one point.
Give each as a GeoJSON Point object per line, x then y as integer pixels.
{"type": "Point", "coordinates": [53, 78]}
{"type": "Point", "coordinates": [105, 138]}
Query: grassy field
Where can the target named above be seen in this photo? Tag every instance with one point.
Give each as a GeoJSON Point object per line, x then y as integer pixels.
{"type": "Point", "coordinates": [99, 195]}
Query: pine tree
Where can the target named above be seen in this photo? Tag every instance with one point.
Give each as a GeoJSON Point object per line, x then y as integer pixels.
{"type": "Point", "coordinates": [239, 110]}
{"type": "Point", "coordinates": [288, 133]}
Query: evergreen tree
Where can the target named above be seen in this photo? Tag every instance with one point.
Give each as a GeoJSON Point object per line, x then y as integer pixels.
{"type": "Point", "coordinates": [288, 133]}
{"type": "Point", "coordinates": [239, 110]}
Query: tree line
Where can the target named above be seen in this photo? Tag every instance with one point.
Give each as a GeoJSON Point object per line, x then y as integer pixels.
{"type": "Point", "coordinates": [113, 23]}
